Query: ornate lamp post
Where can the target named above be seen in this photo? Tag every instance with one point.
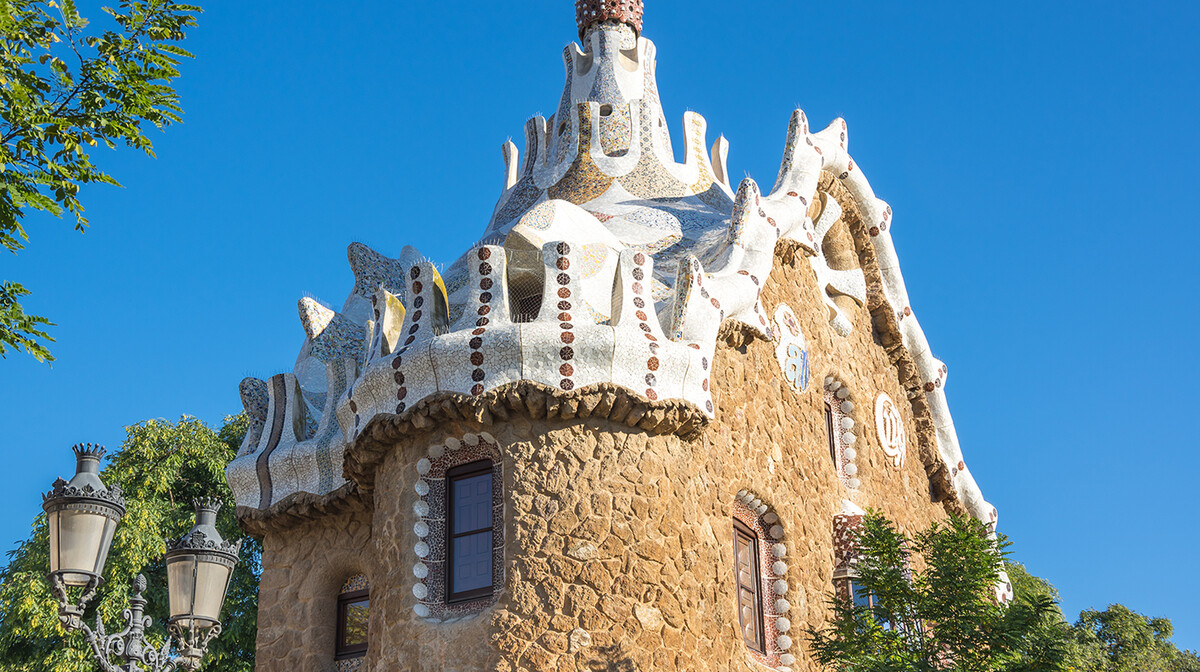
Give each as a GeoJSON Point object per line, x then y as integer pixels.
{"type": "Point", "coordinates": [83, 515]}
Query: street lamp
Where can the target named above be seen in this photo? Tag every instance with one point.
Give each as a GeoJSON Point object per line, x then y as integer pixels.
{"type": "Point", "coordinates": [83, 515]}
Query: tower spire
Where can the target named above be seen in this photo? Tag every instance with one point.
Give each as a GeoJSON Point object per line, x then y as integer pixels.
{"type": "Point", "coordinates": [588, 12]}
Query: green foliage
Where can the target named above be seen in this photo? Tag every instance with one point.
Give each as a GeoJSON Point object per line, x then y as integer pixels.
{"type": "Point", "coordinates": [1119, 639]}
{"type": "Point", "coordinates": [67, 86]}
{"type": "Point", "coordinates": [18, 330]}
{"type": "Point", "coordinates": [943, 617]}
{"type": "Point", "coordinates": [161, 467]}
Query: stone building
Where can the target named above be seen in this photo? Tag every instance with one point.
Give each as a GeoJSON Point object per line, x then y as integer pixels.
{"type": "Point", "coordinates": [627, 429]}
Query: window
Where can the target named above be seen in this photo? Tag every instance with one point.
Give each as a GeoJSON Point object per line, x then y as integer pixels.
{"type": "Point", "coordinates": [353, 617]}
{"type": "Point", "coordinates": [469, 543]}
{"type": "Point", "coordinates": [749, 595]}
{"type": "Point", "coordinates": [830, 435]}
{"type": "Point", "coordinates": [861, 596]}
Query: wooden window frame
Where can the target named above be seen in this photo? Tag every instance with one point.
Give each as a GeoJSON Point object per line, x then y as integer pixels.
{"type": "Point", "coordinates": [463, 471]}
{"type": "Point", "coordinates": [744, 533]}
{"type": "Point", "coordinates": [342, 650]}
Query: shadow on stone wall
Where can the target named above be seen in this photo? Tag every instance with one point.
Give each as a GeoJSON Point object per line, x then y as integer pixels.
{"type": "Point", "coordinates": [612, 659]}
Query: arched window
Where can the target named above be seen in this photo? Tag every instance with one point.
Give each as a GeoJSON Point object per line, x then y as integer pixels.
{"type": "Point", "coordinates": [839, 426]}
{"type": "Point", "coordinates": [353, 619]}
{"type": "Point", "coordinates": [460, 527]}
{"type": "Point", "coordinates": [760, 581]}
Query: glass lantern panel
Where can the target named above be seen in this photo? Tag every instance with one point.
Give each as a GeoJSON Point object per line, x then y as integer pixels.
{"type": "Point", "coordinates": [77, 538]}
{"type": "Point", "coordinates": [212, 579]}
{"type": "Point", "coordinates": [181, 572]}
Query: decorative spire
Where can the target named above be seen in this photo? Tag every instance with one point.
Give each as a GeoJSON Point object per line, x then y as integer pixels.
{"type": "Point", "coordinates": [588, 12]}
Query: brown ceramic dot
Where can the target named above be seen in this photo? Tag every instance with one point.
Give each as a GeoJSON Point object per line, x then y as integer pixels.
{"type": "Point", "coordinates": [482, 322]}
{"type": "Point", "coordinates": [650, 337]}
{"type": "Point", "coordinates": [478, 332]}
{"type": "Point", "coordinates": [477, 375]}
{"type": "Point", "coordinates": [410, 340]}
{"type": "Point", "coordinates": [563, 248]}
{"type": "Point", "coordinates": [475, 343]}
{"type": "Point", "coordinates": [639, 302]}
{"type": "Point", "coordinates": [485, 297]}
{"type": "Point", "coordinates": [484, 253]}
{"type": "Point", "coordinates": [654, 348]}
{"type": "Point", "coordinates": [477, 389]}
{"type": "Point", "coordinates": [485, 268]}
{"type": "Point", "coordinates": [477, 358]}
{"type": "Point", "coordinates": [874, 230]}
{"type": "Point", "coordinates": [485, 283]}
{"type": "Point", "coordinates": [704, 385]}
{"type": "Point", "coordinates": [484, 310]}
{"type": "Point", "coordinates": [641, 315]}
{"type": "Point", "coordinates": [353, 406]}
{"type": "Point", "coordinates": [929, 387]}
{"type": "Point", "coordinates": [638, 274]}
{"type": "Point", "coordinates": [652, 363]}
{"type": "Point", "coordinates": [564, 305]}
{"type": "Point", "coordinates": [564, 293]}
{"type": "Point", "coordinates": [566, 370]}
{"type": "Point", "coordinates": [644, 327]}
{"type": "Point", "coordinates": [708, 405]}
{"type": "Point", "coordinates": [637, 288]}
{"type": "Point", "coordinates": [564, 317]}
{"type": "Point", "coordinates": [961, 465]}
{"type": "Point", "coordinates": [771, 221]}
{"type": "Point", "coordinates": [651, 394]}
{"type": "Point", "coordinates": [567, 353]}
{"type": "Point", "coordinates": [397, 362]}
{"type": "Point", "coordinates": [566, 384]}
{"type": "Point", "coordinates": [716, 304]}
{"type": "Point", "coordinates": [907, 310]}
{"type": "Point", "coordinates": [793, 194]}
{"type": "Point", "coordinates": [399, 376]}
{"type": "Point", "coordinates": [563, 278]}
{"type": "Point", "coordinates": [563, 263]}
{"type": "Point", "coordinates": [415, 272]}
{"type": "Point", "coordinates": [418, 302]}
{"type": "Point", "coordinates": [693, 346]}
{"type": "Point", "coordinates": [400, 407]}
{"type": "Point", "coordinates": [567, 337]}
{"type": "Point", "coordinates": [566, 325]}
{"type": "Point", "coordinates": [416, 316]}
{"type": "Point", "coordinates": [402, 393]}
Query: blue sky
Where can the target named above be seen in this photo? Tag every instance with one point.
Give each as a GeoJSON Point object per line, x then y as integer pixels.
{"type": "Point", "coordinates": [1040, 159]}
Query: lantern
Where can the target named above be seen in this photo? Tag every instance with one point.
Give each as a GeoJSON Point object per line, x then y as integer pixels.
{"type": "Point", "coordinates": [83, 515]}
{"type": "Point", "coordinates": [199, 567]}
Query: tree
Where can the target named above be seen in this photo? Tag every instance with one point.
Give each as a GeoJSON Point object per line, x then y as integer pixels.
{"type": "Point", "coordinates": [944, 616]}
{"type": "Point", "coordinates": [161, 467]}
{"type": "Point", "coordinates": [65, 87]}
{"type": "Point", "coordinates": [1119, 639]}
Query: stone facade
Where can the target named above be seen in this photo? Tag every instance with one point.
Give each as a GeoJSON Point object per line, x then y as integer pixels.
{"type": "Point", "coordinates": [608, 345]}
{"type": "Point", "coordinates": [618, 548]}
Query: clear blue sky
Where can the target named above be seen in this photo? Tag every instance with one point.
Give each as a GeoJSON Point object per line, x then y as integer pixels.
{"type": "Point", "coordinates": [1040, 157]}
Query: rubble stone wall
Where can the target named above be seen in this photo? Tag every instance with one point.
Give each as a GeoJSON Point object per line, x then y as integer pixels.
{"type": "Point", "coordinates": [618, 543]}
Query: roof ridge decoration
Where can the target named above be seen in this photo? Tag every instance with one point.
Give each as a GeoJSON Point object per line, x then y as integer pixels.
{"type": "Point", "coordinates": [599, 237]}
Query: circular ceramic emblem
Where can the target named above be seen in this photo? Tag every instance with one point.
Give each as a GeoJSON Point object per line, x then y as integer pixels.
{"type": "Point", "coordinates": [890, 427]}
{"type": "Point", "coordinates": [791, 350]}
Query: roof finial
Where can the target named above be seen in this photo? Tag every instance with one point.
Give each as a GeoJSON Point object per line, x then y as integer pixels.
{"type": "Point", "coordinates": [588, 12]}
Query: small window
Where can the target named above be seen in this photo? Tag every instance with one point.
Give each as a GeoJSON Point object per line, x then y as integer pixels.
{"type": "Point", "coordinates": [749, 595]}
{"type": "Point", "coordinates": [469, 546]}
{"type": "Point", "coordinates": [830, 435]}
{"type": "Point", "coordinates": [353, 617]}
{"type": "Point", "coordinates": [861, 596]}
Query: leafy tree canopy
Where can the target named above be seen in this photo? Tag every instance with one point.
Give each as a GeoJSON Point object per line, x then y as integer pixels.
{"type": "Point", "coordinates": [66, 87]}
{"type": "Point", "coordinates": [161, 467]}
{"type": "Point", "coordinates": [933, 607]}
